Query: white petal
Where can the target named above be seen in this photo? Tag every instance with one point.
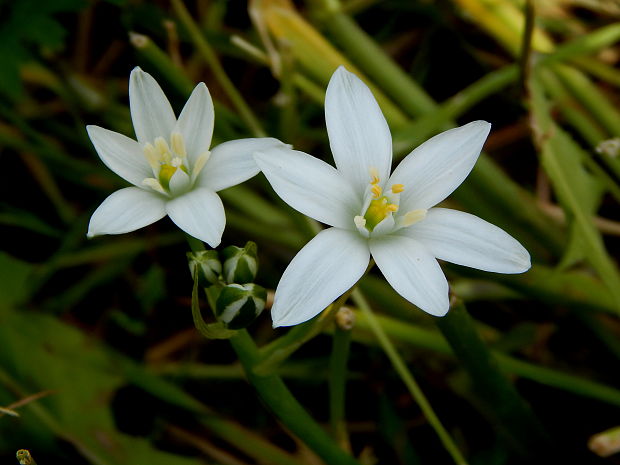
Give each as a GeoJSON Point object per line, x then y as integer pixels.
{"type": "Point", "coordinates": [434, 169]}
{"type": "Point", "coordinates": [329, 265]}
{"type": "Point", "coordinates": [232, 162]}
{"type": "Point", "coordinates": [199, 213]}
{"type": "Point", "coordinates": [121, 154]}
{"type": "Point", "coordinates": [151, 113]}
{"type": "Point", "coordinates": [412, 271]}
{"type": "Point", "coordinates": [310, 186]}
{"type": "Point", "coordinates": [127, 210]}
{"type": "Point", "coordinates": [196, 122]}
{"type": "Point", "coordinates": [467, 240]}
{"type": "Point", "coordinates": [358, 133]}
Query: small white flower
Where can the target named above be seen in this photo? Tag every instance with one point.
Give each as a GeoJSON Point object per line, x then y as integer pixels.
{"type": "Point", "coordinates": [170, 166]}
{"type": "Point", "coordinates": [373, 212]}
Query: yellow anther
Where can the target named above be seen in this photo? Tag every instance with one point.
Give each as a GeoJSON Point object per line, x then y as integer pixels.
{"type": "Point", "coordinates": [391, 207]}
{"type": "Point", "coordinates": [162, 148]}
{"type": "Point", "coordinates": [154, 184]}
{"type": "Point", "coordinates": [178, 144]}
{"type": "Point", "coordinates": [376, 191]}
{"type": "Point", "coordinates": [200, 163]}
{"type": "Point", "coordinates": [398, 188]}
{"type": "Point", "coordinates": [374, 175]}
{"type": "Point", "coordinates": [151, 156]}
{"type": "Point", "coordinates": [413, 217]}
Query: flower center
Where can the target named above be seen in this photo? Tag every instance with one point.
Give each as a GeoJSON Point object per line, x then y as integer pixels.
{"type": "Point", "coordinates": [382, 205]}
{"type": "Point", "coordinates": [166, 160]}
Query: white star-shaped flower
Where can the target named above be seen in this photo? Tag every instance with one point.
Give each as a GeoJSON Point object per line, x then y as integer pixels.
{"type": "Point", "coordinates": [373, 212]}
{"type": "Point", "coordinates": [172, 170]}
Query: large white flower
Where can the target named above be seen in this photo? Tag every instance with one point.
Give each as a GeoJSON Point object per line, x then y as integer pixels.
{"type": "Point", "coordinates": [170, 165]}
{"type": "Point", "coordinates": [373, 212]}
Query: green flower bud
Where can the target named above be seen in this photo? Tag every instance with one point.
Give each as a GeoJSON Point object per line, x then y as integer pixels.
{"type": "Point", "coordinates": [239, 304]}
{"type": "Point", "coordinates": [209, 266]}
{"type": "Point", "coordinates": [240, 264]}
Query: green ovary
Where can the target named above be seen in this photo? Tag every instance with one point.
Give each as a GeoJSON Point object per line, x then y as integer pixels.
{"type": "Point", "coordinates": [377, 211]}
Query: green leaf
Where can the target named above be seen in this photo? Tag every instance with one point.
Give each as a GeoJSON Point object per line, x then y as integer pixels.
{"type": "Point", "coordinates": [560, 157]}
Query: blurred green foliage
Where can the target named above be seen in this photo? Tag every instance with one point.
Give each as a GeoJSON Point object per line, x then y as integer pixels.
{"type": "Point", "coordinates": [99, 355]}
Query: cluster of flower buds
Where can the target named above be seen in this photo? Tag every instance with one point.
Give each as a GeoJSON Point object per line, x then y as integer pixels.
{"type": "Point", "coordinates": [229, 276]}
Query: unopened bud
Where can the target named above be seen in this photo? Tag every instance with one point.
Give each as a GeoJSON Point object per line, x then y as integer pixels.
{"type": "Point", "coordinates": [238, 305]}
{"type": "Point", "coordinates": [345, 318]}
{"type": "Point", "coordinates": [240, 264]}
{"type": "Point", "coordinates": [208, 265]}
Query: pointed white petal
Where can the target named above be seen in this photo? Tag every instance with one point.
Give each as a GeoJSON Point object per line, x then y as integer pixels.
{"type": "Point", "coordinates": [412, 271]}
{"type": "Point", "coordinates": [358, 133]}
{"type": "Point", "coordinates": [121, 154]}
{"type": "Point", "coordinates": [151, 113]}
{"type": "Point", "coordinates": [467, 240]}
{"type": "Point", "coordinates": [196, 122]}
{"type": "Point", "coordinates": [232, 162]}
{"type": "Point", "coordinates": [327, 266]}
{"type": "Point", "coordinates": [437, 167]}
{"type": "Point", "coordinates": [126, 210]}
{"type": "Point", "coordinates": [310, 186]}
{"type": "Point", "coordinates": [199, 213]}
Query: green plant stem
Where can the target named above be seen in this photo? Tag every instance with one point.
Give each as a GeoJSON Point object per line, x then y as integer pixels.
{"type": "Point", "coordinates": [276, 395]}
{"type": "Point", "coordinates": [590, 97]}
{"type": "Point", "coordinates": [410, 335]}
{"type": "Point", "coordinates": [216, 68]}
{"type": "Point", "coordinates": [160, 60]}
{"type": "Point", "coordinates": [495, 391]}
{"type": "Point", "coordinates": [526, 44]}
{"type": "Point", "coordinates": [275, 353]}
{"type": "Point", "coordinates": [365, 51]}
{"type": "Point", "coordinates": [404, 373]}
{"type": "Point", "coordinates": [341, 342]}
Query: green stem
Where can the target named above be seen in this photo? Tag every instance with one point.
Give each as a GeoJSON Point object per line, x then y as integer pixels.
{"type": "Point", "coordinates": [217, 69]}
{"type": "Point", "coordinates": [503, 402]}
{"type": "Point", "coordinates": [276, 395]}
{"type": "Point", "coordinates": [162, 62]}
{"type": "Point", "coordinates": [590, 97]}
{"type": "Point", "coordinates": [275, 353]}
{"type": "Point", "coordinates": [414, 336]}
{"type": "Point", "coordinates": [363, 50]}
{"type": "Point", "coordinates": [402, 370]}
{"type": "Point", "coordinates": [526, 44]}
{"type": "Point", "coordinates": [341, 342]}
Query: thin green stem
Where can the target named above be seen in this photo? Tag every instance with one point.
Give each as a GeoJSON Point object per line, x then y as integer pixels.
{"type": "Point", "coordinates": [410, 335]}
{"type": "Point", "coordinates": [526, 44]}
{"type": "Point", "coordinates": [282, 348]}
{"type": "Point", "coordinates": [160, 60]}
{"type": "Point", "coordinates": [404, 373]}
{"type": "Point", "coordinates": [276, 395]}
{"type": "Point", "coordinates": [364, 51]}
{"type": "Point", "coordinates": [341, 342]}
{"type": "Point", "coordinates": [502, 401]}
{"type": "Point", "coordinates": [216, 67]}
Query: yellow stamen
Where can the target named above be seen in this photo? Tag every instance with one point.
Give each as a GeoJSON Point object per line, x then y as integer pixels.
{"type": "Point", "coordinates": [376, 191]}
{"type": "Point", "coordinates": [164, 151]}
{"type": "Point", "coordinates": [398, 188]}
{"type": "Point", "coordinates": [151, 156]}
{"type": "Point", "coordinates": [413, 217]}
{"type": "Point", "coordinates": [377, 211]}
{"type": "Point", "coordinates": [200, 163]}
{"type": "Point", "coordinates": [154, 184]}
{"type": "Point", "coordinates": [178, 144]}
{"type": "Point", "coordinates": [374, 175]}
